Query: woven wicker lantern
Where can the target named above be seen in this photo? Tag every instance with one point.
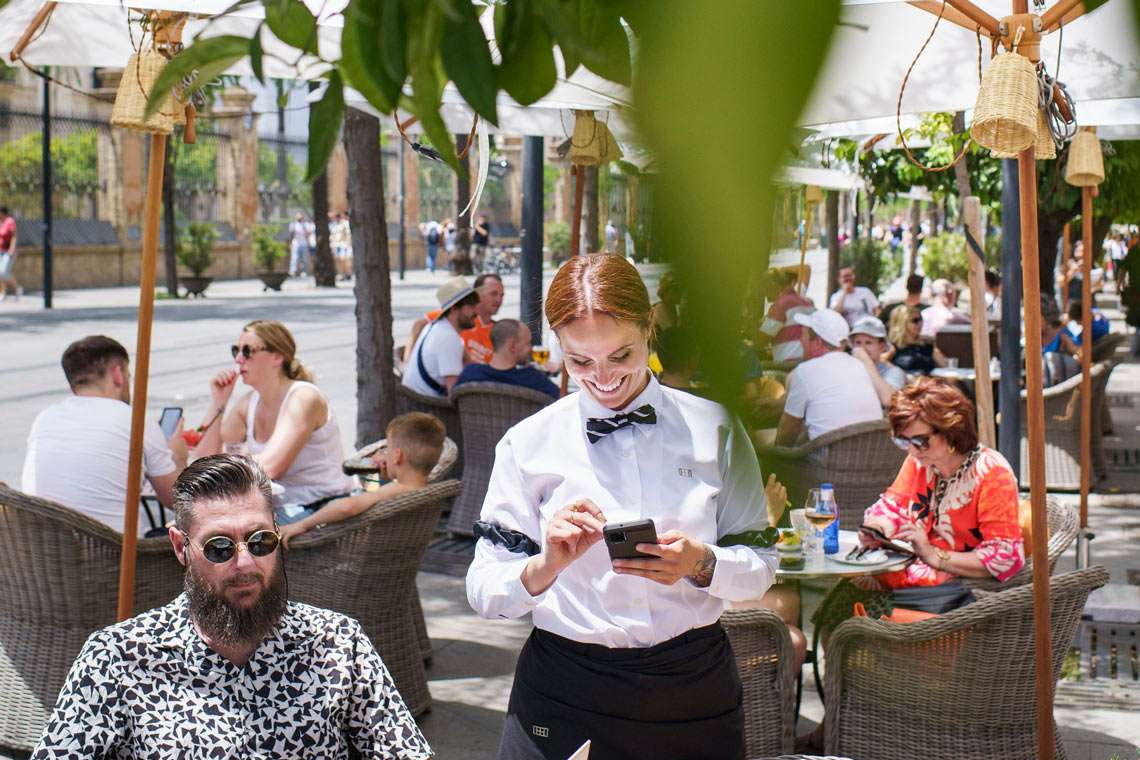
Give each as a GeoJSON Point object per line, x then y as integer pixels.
{"type": "Point", "coordinates": [1086, 162]}
{"type": "Point", "coordinates": [1005, 115]}
{"type": "Point", "coordinates": [138, 79]}
{"type": "Point", "coordinates": [592, 143]}
{"type": "Point", "coordinates": [1043, 145]}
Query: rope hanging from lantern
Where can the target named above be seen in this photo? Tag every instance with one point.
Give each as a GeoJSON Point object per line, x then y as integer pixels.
{"type": "Point", "coordinates": [902, 89]}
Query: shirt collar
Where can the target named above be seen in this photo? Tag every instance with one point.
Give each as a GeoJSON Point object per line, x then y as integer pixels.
{"type": "Point", "coordinates": [651, 394]}
{"type": "Point", "coordinates": [180, 633]}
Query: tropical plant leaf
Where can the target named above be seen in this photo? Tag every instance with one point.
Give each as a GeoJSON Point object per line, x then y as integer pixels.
{"type": "Point", "coordinates": [361, 61]}
{"type": "Point", "coordinates": [324, 126]}
{"type": "Point", "coordinates": [592, 33]}
{"type": "Point", "coordinates": [393, 27]}
{"type": "Point", "coordinates": [292, 23]}
{"type": "Point", "coordinates": [205, 59]}
{"type": "Point", "coordinates": [467, 60]}
{"type": "Point", "coordinates": [527, 70]}
{"type": "Point", "coordinates": [255, 55]}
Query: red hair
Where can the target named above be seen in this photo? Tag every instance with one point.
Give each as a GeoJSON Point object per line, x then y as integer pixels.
{"type": "Point", "coordinates": [597, 282]}
{"type": "Point", "coordinates": [940, 405]}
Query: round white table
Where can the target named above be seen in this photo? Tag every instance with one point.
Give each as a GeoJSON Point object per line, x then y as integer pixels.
{"type": "Point", "coordinates": [965, 374]}
{"type": "Point", "coordinates": [826, 566]}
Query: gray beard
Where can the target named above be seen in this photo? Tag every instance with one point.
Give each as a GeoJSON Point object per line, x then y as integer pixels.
{"type": "Point", "coordinates": [231, 626]}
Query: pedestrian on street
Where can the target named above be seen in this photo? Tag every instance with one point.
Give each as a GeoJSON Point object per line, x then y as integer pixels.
{"type": "Point", "coordinates": [298, 246]}
{"type": "Point", "coordinates": [8, 282]}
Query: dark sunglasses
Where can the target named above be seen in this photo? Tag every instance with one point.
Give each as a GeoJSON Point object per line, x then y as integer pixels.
{"type": "Point", "coordinates": [913, 321]}
{"type": "Point", "coordinates": [221, 549]}
{"type": "Point", "coordinates": [245, 351]}
{"type": "Point", "coordinates": [920, 442]}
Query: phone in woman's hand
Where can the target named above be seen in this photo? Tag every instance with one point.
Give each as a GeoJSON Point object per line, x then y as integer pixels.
{"type": "Point", "coordinates": [622, 539]}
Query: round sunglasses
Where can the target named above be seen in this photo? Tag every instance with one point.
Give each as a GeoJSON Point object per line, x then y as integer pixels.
{"type": "Point", "coordinates": [221, 549]}
{"type": "Point", "coordinates": [245, 351]}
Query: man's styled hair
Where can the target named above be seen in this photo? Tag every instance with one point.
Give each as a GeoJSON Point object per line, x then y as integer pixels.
{"type": "Point", "coordinates": [914, 284]}
{"type": "Point", "coordinates": [222, 476]}
{"type": "Point", "coordinates": [484, 277]}
{"type": "Point", "coordinates": [88, 359]}
{"type": "Point", "coordinates": [993, 279]}
{"type": "Point", "coordinates": [420, 436]}
{"type": "Point", "coordinates": [503, 331]}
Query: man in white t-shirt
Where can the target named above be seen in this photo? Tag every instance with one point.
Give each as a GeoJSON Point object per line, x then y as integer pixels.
{"type": "Point", "coordinates": [829, 390]}
{"type": "Point", "coordinates": [77, 449]}
{"type": "Point", "coordinates": [436, 359]}
{"type": "Point", "coordinates": [853, 301]}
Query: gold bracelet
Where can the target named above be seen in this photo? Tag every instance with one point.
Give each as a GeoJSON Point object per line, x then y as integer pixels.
{"type": "Point", "coordinates": [943, 558]}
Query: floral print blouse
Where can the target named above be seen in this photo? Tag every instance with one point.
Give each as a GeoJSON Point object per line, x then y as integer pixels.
{"type": "Point", "coordinates": [974, 510]}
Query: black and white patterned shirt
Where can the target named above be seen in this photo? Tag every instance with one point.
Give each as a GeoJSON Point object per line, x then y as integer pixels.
{"type": "Point", "coordinates": [149, 687]}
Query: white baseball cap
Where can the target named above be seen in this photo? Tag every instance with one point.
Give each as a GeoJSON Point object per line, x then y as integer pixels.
{"type": "Point", "coordinates": [828, 324]}
{"type": "Point", "coordinates": [872, 326]}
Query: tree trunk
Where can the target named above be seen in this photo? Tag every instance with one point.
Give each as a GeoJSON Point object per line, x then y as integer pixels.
{"type": "Point", "coordinates": [832, 240]}
{"type": "Point", "coordinates": [1050, 228]}
{"type": "Point", "coordinates": [915, 222]}
{"type": "Point", "coordinates": [590, 209]}
{"type": "Point", "coordinates": [461, 262]}
{"type": "Point", "coordinates": [375, 371]}
{"type": "Point", "coordinates": [324, 268]}
{"type": "Point", "coordinates": [961, 171]}
{"type": "Point", "coordinates": [170, 236]}
{"type": "Point", "coordinates": [1101, 226]}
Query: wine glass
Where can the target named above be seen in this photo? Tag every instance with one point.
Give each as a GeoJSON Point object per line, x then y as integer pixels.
{"type": "Point", "coordinates": [813, 541]}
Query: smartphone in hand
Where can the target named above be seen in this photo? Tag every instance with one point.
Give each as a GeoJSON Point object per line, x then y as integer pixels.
{"type": "Point", "coordinates": [169, 420]}
{"type": "Point", "coordinates": [622, 538]}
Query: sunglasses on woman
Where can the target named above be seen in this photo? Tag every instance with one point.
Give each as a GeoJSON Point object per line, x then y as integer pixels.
{"type": "Point", "coordinates": [245, 351]}
{"type": "Point", "coordinates": [913, 321]}
{"type": "Point", "coordinates": [920, 442]}
{"type": "Point", "coordinates": [221, 549]}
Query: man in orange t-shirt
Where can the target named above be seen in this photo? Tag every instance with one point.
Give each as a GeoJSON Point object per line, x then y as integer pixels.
{"type": "Point", "coordinates": [477, 340]}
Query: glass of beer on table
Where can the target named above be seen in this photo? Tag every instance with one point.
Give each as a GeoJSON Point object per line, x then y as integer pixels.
{"type": "Point", "coordinates": [540, 355]}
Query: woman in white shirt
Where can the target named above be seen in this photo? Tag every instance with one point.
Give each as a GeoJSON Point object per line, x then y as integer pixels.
{"type": "Point", "coordinates": [285, 421]}
{"type": "Point", "coordinates": [628, 654]}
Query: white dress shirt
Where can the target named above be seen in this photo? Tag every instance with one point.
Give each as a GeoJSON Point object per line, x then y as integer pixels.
{"type": "Point", "coordinates": [694, 471]}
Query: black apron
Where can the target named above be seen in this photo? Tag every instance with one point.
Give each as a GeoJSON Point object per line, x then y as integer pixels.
{"type": "Point", "coordinates": [679, 699]}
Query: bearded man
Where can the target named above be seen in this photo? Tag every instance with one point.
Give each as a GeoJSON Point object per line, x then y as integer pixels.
{"type": "Point", "coordinates": [230, 668]}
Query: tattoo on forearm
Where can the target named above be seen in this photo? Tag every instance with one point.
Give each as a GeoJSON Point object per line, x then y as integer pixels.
{"type": "Point", "coordinates": [702, 574]}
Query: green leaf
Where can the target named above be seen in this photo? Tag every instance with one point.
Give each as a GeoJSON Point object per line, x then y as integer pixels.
{"type": "Point", "coordinates": [761, 538]}
{"type": "Point", "coordinates": [606, 46]}
{"type": "Point", "coordinates": [467, 61]}
{"type": "Point", "coordinates": [255, 55]}
{"type": "Point", "coordinates": [293, 24]}
{"type": "Point", "coordinates": [393, 28]}
{"type": "Point", "coordinates": [324, 126]}
{"type": "Point", "coordinates": [360, 61]}
{"type": "Point", "coordinates": [570, 59]}
{"type": "Point", "coordinates": [208, 57]}
{"type": "Point", "coordinates": [527, 70]}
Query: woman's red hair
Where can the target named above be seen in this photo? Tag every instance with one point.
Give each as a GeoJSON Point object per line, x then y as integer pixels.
{"type": "Point", "coordinates": [597, 282]}
{"type": "Point", "coordinates": [940, 405]}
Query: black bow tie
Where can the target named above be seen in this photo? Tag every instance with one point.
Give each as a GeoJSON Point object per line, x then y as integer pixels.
{"type": "Point", "coordinates": [598, 428]}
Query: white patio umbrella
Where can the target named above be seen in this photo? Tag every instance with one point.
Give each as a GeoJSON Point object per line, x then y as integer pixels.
{"type": "Point", "coordinates": [99, 33]}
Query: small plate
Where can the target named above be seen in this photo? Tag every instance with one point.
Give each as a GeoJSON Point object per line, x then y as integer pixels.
{"type": "Point", "coordinates": [870, 559]}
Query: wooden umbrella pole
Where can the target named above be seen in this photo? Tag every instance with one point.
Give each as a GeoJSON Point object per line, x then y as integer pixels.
{"type": "Point", "coordinates": [142, 370]}
{"type": "Point", "coordinates": [1086, 351]}
{"type": "Point", "coordinates": [800, 281]}
{"type": "Point", "coordinates": [575, 238]}
{"type": "Point", "coordinates": [980, 327]}
{"type": "Point", "coordinates": [1066, 247]}
{"type": "Point", "coordinates": [1063, 10]}
{"type": "Point", "coordinates": [38, 20]}
{"type": "Point", "coordinates": [1035, 423]}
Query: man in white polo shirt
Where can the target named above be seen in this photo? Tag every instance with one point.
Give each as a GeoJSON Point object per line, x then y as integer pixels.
{"type": "Point", "coordinates": [830, 389]}
{"type": "Point", "coordinates": [78, 448]}
{"type": "Point", "coordinates": [436, 359]}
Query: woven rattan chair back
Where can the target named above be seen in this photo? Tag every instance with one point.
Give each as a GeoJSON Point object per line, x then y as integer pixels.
{"type": "Point", "coordinates": [874, 669]}
{"type": "Point", "coordinates": [366, 568]}
{"type": "Point", "coordinates": [486, 412]}
{"type": "Point", "coordinates": [59, 582]}
{"type": "Point", "coordinates": [408, 400]}
{"type": "Point", "coordinates": [762, 648]}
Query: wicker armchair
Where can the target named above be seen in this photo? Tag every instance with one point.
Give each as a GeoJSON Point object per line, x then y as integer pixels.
{"type": "Point", "coordinates": [360, 463]}
{"type": "Point", "coordinates": [1063, 526]}
{"type": "Point", "coordinates": [1101, 417]}
{"type": "Point", "coordinates": [408, 400]}
{"type": "Point", "coordinates": [1105, 348]}
{"type": "Point", "coordinates": [366, 568]}
{"type": "Point", "coordinates": [1062, 431]}
{"type": "Point", "coordinates": [59, 583]}
{"type": "Point", "coordinates": [973, 665]}
{"type": "Point", "coordinates": [486, 412]}
{"type": "Point", "coordinates": [859, 460]}
{"type": "Point", "coordinates": [764, 657]}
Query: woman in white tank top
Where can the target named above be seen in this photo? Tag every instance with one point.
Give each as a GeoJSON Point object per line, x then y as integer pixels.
{"type": "Point", "coordinates": [285, 422]}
